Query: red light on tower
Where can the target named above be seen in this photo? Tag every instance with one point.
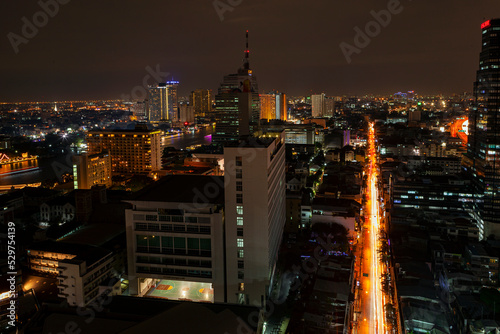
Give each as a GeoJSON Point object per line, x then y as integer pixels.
{"type": "Point", "coordinates": [186, 123]}
{"type": "Point", "coordinates": [486, 24]}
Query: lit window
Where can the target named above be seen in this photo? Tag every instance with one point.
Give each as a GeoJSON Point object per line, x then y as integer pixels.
{"type": "Point", "coordinates": [240, 253]}
{"type": "Point", "coordinates": [239, 221]}
{"type": "Point", "coordinates": [239, 242]}
{"type": "Point", "coordinates": [239, 209]}
{"type": "Point", "coordinates": [241, 287]}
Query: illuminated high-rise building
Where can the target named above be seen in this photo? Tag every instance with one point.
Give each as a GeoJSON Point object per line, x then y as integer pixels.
{"type": "Point", "coordinates": [201, 101]}
{"type": "Point", "coordinates": [329, 107]}
{"type": "Point", "coordinates": [172, 103]}
{"type": "Point", "coordinates": [237, 108]}
{"type": "Point", "coordinates": [91, 169]}
{"type": "Point", "coordinates": [255, 214]}
{"type": "Point", "coordinates": [267, 106]}
{"type": "Point", "coordinates": [158, 103]}
{"type": "Point", "coordinates": [186, 113]}
{"type": "Point", "coordinates": [318, 105]}
{"type": "Point", "coordinates": [162, 105]}
{"type": "Point", "coordinates": [135, 151]}
{"type": "Point", "coordinates": [482, 160]}
{"type": "Point", "coordinates": [273, 106]}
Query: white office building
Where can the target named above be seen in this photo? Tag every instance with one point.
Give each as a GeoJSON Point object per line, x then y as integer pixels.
{"type": "Point", "coordinates": [255, 213]}
{"type": "Point", "coordinates": [175, 239]}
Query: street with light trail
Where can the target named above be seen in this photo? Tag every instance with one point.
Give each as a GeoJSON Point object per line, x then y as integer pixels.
{"type": "Point", "coordinates": [370, 299]}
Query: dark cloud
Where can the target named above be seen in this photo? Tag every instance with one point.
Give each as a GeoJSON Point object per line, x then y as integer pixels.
{"type": "Point", "coordinates": [99, 49]}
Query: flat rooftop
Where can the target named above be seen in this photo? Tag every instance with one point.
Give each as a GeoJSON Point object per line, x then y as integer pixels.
{"type": "Point", "coordinates": [260, 142]}
{"type": "Point", "coordinates": [126, 314]}
{"type": "Point", "coordinates": [184, 189]}
{"type": "Point", "coordinates": [87, 253]}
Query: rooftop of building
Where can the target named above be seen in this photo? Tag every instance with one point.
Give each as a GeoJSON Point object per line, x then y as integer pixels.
{"type": "Point", "coordinates": [62, 200]}
{"type": "Point", "coordinates": [96, 155]}
{"type": "Point", "coordinates": [83, 253]}
{"type": "Point", "coordinates": [95, 234]}
{"type": "Point", "coordinates": [184, 189]}
{"type": "Point", "coordinates": [326, 203]}
{"type": "Point", "coordinates": [34, 192]}
{"type": "Point", "coordinates": [254, 142]}
{"type": "Point", "coordinates": [125, 314]}
{"type": "Point", "coordinates": [138, 128]}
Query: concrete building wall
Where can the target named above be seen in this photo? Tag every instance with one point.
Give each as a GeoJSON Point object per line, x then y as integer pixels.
{"type": "Point", "coordinates": [150, 213]}
{"type": "Point", "coordinates": [255, 214]}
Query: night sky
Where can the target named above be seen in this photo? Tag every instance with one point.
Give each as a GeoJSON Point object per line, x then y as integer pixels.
{"type": "Point", "coordinates": [99, 49]}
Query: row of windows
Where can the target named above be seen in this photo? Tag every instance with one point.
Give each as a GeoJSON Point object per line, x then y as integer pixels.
{"type": "Point", "coordinates": [173, 218]}
{"type": "Point", "coordinates": [168, 228]}
{"type": "Point", "coordinates": [239, 232]}
{"type": "Point", "coordinates": [176, 242]}
{"type": "Point", "coordinates": [176, 272]}
{"type": "Point", "coordinates": [174, 261]}
{"type": "Point", "coordinates": [174, 251]}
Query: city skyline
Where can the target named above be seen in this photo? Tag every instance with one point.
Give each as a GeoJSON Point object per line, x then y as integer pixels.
{"type": "Point", "coordinates": [299, 52]}
{"type": "Point", "coordinates": [259, 167]}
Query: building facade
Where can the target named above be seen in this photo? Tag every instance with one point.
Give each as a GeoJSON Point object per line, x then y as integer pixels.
{"type": "Point", "coordinates": [255, 214]}
{"type": "Point", "coordinates": [80, 280]}
{"type": "Point", "coordinates": [80, 269]}
{"type": "Point", "coordinates": [91, 170]}
{"type": "Point", "coordinates": [135, 151]}
{"type": "Point", "coordinates": [175, 237]}
{"type": "Point", "coordinates": [483, 147]}
{"type": "Point", "coordinates": [318, 105]}
{"type": "Point", "coordinates": [61, 209]}
{"type": "Point", "coordinates": [157, 108]}
{"type": "Point", "coordinates": [273, 106]}
{"type": "Point", "coordinates": [201, 101]}
{"type": "Point", "coordinates": [162, 102]}
{"type": "Point", "coordinates": [186, 113]}
{"type": "Point", "coordinates": [172, 103]}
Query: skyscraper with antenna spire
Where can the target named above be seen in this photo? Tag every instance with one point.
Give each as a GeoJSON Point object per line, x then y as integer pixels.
{"type": "Point", "coordinates": [237, 108]}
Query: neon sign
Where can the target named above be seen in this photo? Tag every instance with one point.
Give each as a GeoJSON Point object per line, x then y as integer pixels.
{"type": "Point", "coordinates": [486, 24]}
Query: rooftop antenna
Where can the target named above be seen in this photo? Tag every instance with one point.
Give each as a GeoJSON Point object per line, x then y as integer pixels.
{"type": "Point", "coordinates": [246, 64]}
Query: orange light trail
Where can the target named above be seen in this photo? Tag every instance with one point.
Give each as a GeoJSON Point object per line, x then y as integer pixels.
{"type": "Point", "coordinates": [372, 300]}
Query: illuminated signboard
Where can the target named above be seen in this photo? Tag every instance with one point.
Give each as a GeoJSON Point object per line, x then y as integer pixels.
{"type": "Point", "coordinates": [486, 24]}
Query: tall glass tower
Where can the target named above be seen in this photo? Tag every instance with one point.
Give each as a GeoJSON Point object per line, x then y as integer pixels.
{"type": "Point", "coordinates": [163, 105]}
{"type": "Point", "coordinates": [482, 159]}
{"type": "Point", "coordinates": [172, 104]}
{"type": "Point", "coordinates": [158, 103]}
{"type": "Point", "coordinates": [237, 104]}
